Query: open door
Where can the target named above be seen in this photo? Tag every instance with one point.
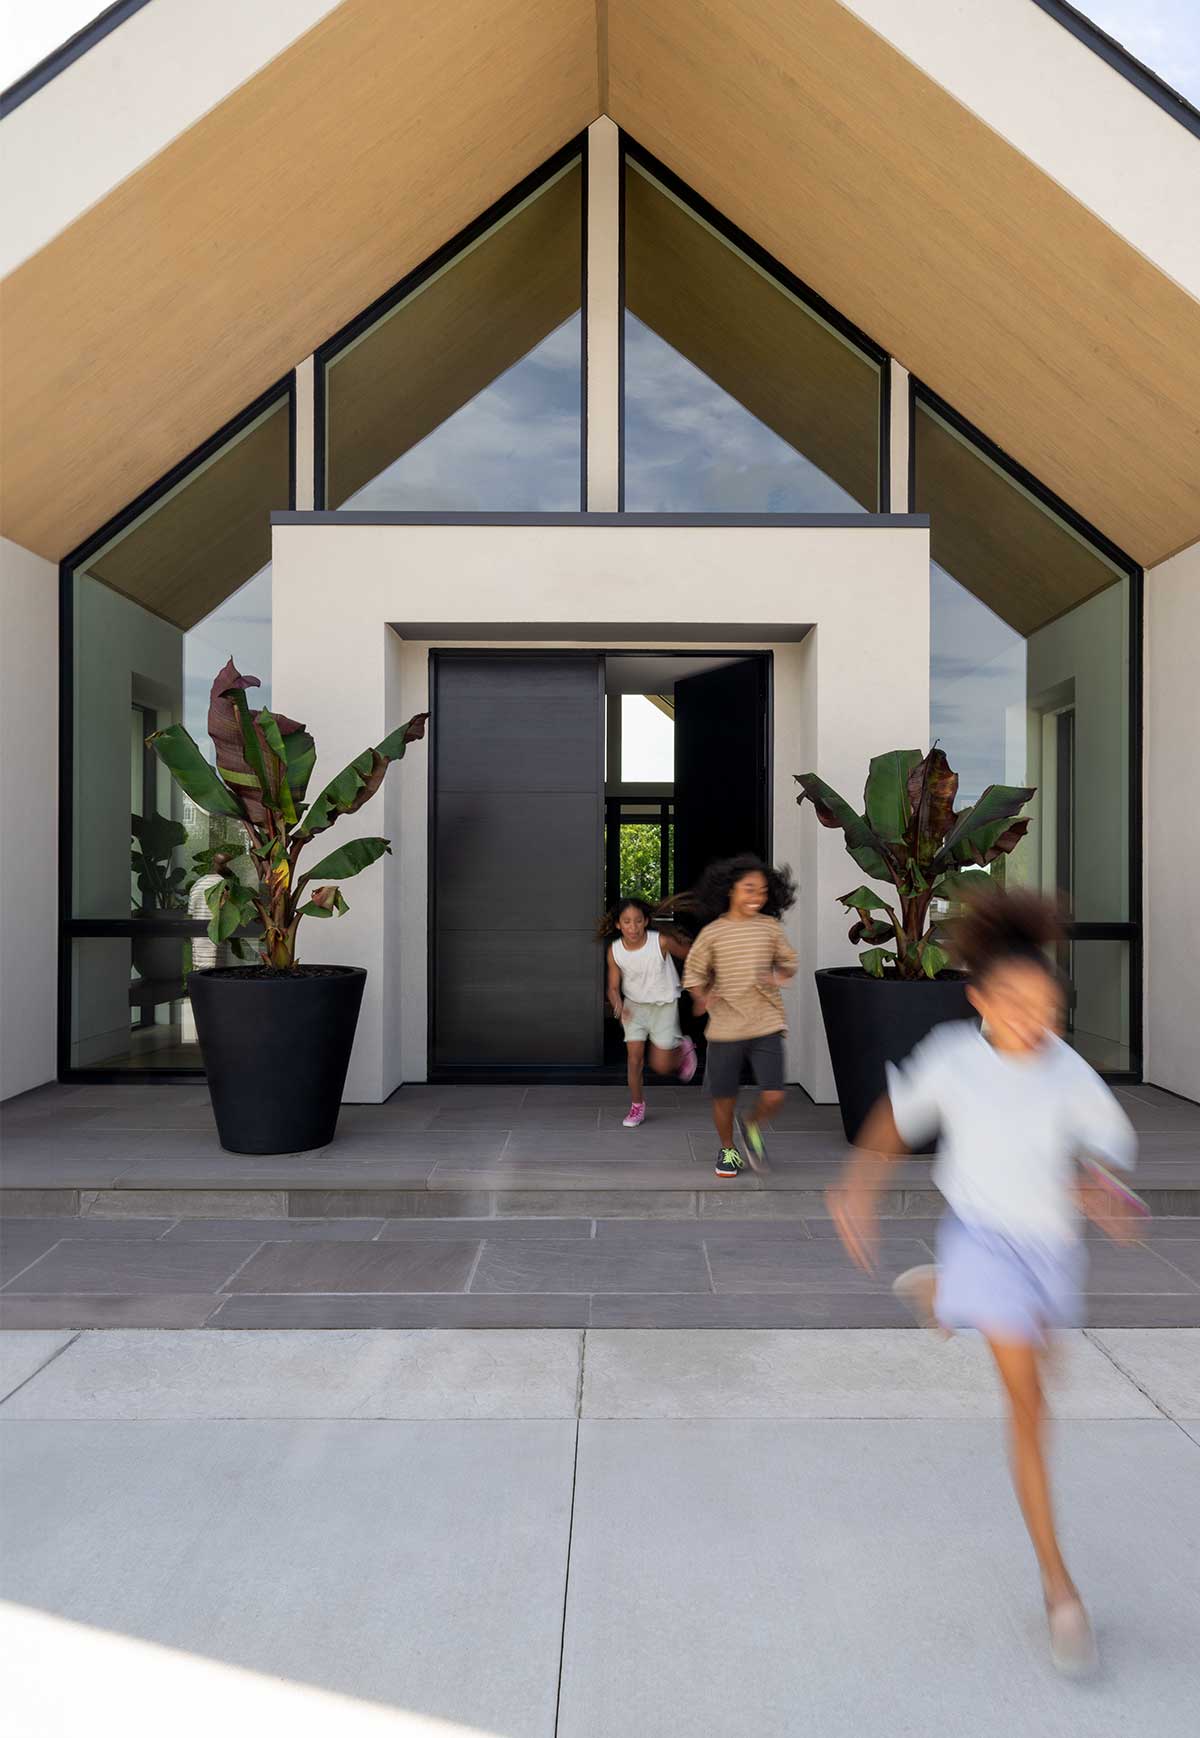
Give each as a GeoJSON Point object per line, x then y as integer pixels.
{"type": "Point", "coordinates": [720, 767]}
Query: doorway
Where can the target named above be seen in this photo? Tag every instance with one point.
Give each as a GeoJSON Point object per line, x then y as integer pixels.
{"type": "Point", "coordinates": [559, 781]}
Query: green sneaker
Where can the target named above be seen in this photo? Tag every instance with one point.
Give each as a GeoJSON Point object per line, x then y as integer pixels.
{"type": "Point", "coordinates": [730, 1163]}
{"type": "Point", "coordinates": [755, 1145]}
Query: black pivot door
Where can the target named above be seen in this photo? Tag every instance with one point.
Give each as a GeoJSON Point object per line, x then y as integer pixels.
{"type": "Point", "coordinates": [518, 771]}
{"type": "Point", "coordinates": [720, 766]}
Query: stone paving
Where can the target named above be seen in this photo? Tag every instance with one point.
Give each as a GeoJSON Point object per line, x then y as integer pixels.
{"type": "Point", "coordinates": [494, 1207]}
{"type": "Point", "coordinates": [592, 1534]}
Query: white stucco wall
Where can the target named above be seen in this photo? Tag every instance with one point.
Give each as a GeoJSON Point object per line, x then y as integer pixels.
{"type": "Point", "coordinates": [1067, 110]}
{"type": "Point", "coordinates": [117, 106]}
{"type": "Point", "coordinates": [352, 677]}
{"type": "Point", "coordinates": [28, 818]}
{"type": "Point", "coordinates": [1172, 824]}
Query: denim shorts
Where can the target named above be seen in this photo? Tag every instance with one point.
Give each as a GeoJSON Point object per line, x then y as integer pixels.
{"type": "Point", "coordinates": [1009, 1287]}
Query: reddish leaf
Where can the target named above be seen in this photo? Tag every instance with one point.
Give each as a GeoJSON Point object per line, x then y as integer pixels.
{"type": "Point", "coordinates": [932, 788]}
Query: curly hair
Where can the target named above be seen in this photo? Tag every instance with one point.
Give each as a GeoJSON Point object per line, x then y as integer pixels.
{"type": "Point", "coordinates": [997, 926]}
{"type": "Point", "coordinates": [709, 899]}
{"type": "Point", "coordinates": [609, 925]}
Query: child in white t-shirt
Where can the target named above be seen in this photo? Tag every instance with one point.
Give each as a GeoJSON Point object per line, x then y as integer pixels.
{"type": "Point", "coordinates": [1015, 1110]}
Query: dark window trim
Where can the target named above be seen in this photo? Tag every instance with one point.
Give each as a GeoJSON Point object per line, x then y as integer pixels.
{"type": "Point", "coordinates": [1133, 930]}
{"type": "Point", "coordinates": [1133, 70]}
{"type": "Point", "coordinates": [66, 54]}
{"type": "Point", "coordinates": [343, 516]}
{"type": "Point", "coordinates": [575, 150]}
{"type": "Point", "coordinates": [69, 926]}
{"type": "Point", "coordinates": [766, 262]}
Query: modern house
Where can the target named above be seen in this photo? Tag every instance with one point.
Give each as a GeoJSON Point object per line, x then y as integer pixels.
{"type": "Point", "coordinates": [672, 396]}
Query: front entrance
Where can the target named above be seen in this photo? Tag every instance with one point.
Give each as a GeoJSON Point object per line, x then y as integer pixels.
{"type": "Point", "coordinates": [560, 780]}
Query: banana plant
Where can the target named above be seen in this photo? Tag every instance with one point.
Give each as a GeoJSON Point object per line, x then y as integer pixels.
{"type": "Point", "coordinates": [264, 762]}
{"type": "Point", "coordinates": [911, 835]}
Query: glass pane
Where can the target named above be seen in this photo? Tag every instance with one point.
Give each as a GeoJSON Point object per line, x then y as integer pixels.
{"type": "Point", "coordinates": [1029, 669]}
{"type": "Point", "coordinates": [641, 861]}
{"type": "Point", "coordinates": [129, 1007]}
{"type": "Point", "coordinates": [156, 614]}
{"type": "Point", "coordinates": [1099, 1025]}
{"type": "Point", "coordinates": [647, 742]}
{"type": "Point", "coordinates": [467, 395]}
{"type": "Point", "coordinates": [738, 398]}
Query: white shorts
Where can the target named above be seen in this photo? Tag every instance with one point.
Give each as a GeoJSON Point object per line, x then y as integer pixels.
{"type": "Point", "coordinates": [656, 1021]}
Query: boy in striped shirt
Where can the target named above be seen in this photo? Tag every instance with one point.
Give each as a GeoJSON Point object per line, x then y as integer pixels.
{"type": "Point", "coordinates": [735, 973]}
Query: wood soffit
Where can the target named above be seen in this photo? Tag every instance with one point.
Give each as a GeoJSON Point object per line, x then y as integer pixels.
{"type": "Point", "coordinates": [383, 131]}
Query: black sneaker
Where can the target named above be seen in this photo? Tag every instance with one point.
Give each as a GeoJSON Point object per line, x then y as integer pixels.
{"type": "Point", "coordinates": [730, 1163]}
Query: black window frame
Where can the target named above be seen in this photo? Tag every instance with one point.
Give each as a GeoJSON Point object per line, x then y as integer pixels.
{"type": "Point", "coordinates": [575, 150]}
{"type": "Point", "coordinates": [1131, 930]}
{"type": "Point", "coordinates": [70, 927]}
{"type": "Point", "coordinates": [774, 269]}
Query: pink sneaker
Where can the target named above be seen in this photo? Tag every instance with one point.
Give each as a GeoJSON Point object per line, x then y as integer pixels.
{"type": "Point", "coordinates": [687, 1068]}
{"type": "Point", "coordinates": [636, 1117]}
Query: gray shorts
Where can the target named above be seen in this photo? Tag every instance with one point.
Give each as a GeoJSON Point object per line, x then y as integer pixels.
{"type": "Point", "coordinates": [723, 1071]}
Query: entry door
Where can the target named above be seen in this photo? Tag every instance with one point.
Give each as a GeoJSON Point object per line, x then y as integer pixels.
{"type": "Point", "coordinates": [517, 858]}
{"type": "Point", "coordinates": [720, 767]}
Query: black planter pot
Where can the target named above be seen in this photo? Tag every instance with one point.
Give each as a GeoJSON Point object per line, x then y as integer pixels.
{"type": "Point", "coordinates": [276, 1050]}
{"type": "Point", "coordinates": [871, 1021]}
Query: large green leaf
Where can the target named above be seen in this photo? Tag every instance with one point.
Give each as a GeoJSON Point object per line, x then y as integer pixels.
{"type": "Point", "coordinates": [349, 859]}
{"type": "Point", "coordinates": [870, 929]}
{"type": "Point", "coordinates": [866, 848]}
{"type": "Point", "coordinates": [933, 959]}
{"type": "Point", "coordinates": [885, 797]}
{"type": "Point", "coordinates": [863, 899]}
{"type": "Point", "coordinates": [232, 905]}
{"type": "Point", "coordinates": [268, 726]}
{"type": "Point", "coordinates": [252, 748]}
{"type": "Point", "coordinates": [992, 842]}
{"type": "Point", "coordinates": [932, 788]}
{"type": "Point", "coordinates": [301, 752]}
{"type": "Point", "coordinates": [359, 781]}
{"type": "Point", "coordinates": [873, 960]}
{"type": "Point", "coordinates": [192, 773]}
{"type": "Point", "coordinates": [959, 884]}
{"type": "Point", "coordinates": [998, 803]}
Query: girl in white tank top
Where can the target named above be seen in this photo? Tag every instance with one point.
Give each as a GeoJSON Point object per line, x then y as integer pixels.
{"type": "Point", "coordinates": [643, 993]}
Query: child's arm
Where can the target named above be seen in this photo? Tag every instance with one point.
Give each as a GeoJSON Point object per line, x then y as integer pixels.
{"type": "Point", "coordinates": [784, 961]}
{"type": "Point", "coordinates": [852, 1202]}
{"type": "Point", "coordinates": [1106, 1137]}
{"type": "Point", "coordinates": [616, 1000]}
{"type": "Point", "coordinates": [903, 1119]}
{"type": "Point", "coordinates": [697, 971]}
{"type": "Point", "coordinates": [671, 943]}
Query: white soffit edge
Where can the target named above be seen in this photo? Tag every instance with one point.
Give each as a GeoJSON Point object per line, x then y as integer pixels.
{"type": "Point", "coordinates": [122, 102]}
{"type": "Point", "coordinates": [1065, 109]}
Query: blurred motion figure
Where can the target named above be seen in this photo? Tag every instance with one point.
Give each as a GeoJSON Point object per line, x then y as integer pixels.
{"type": "Point", "coordinates": [1017, 1114]}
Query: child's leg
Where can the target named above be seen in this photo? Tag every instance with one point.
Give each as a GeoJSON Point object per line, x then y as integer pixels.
{"type": "Point", "coordinates": [723, 1109]}
{"type": "Point", "coordinates": [768, 1105]}
{"type": "Point", "coordinates": [1020, 1372]}
{"type": "Point", "coordinates": [635, 1069]}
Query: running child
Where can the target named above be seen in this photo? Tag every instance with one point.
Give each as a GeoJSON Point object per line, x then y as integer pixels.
{"type": "Point", "coordinates": [1015, 1109]}
{"type": "Point", "coordinates": [735, 972]}
{"type": "Point", "coordinates": [643, 993]}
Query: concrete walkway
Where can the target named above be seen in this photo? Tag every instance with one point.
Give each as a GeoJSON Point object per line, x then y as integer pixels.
{"type": "Point", "coordinates": [594, 1535]}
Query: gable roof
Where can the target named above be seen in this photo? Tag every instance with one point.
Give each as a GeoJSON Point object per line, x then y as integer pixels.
{"type": "Point", "coordinates": [366, 144]}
